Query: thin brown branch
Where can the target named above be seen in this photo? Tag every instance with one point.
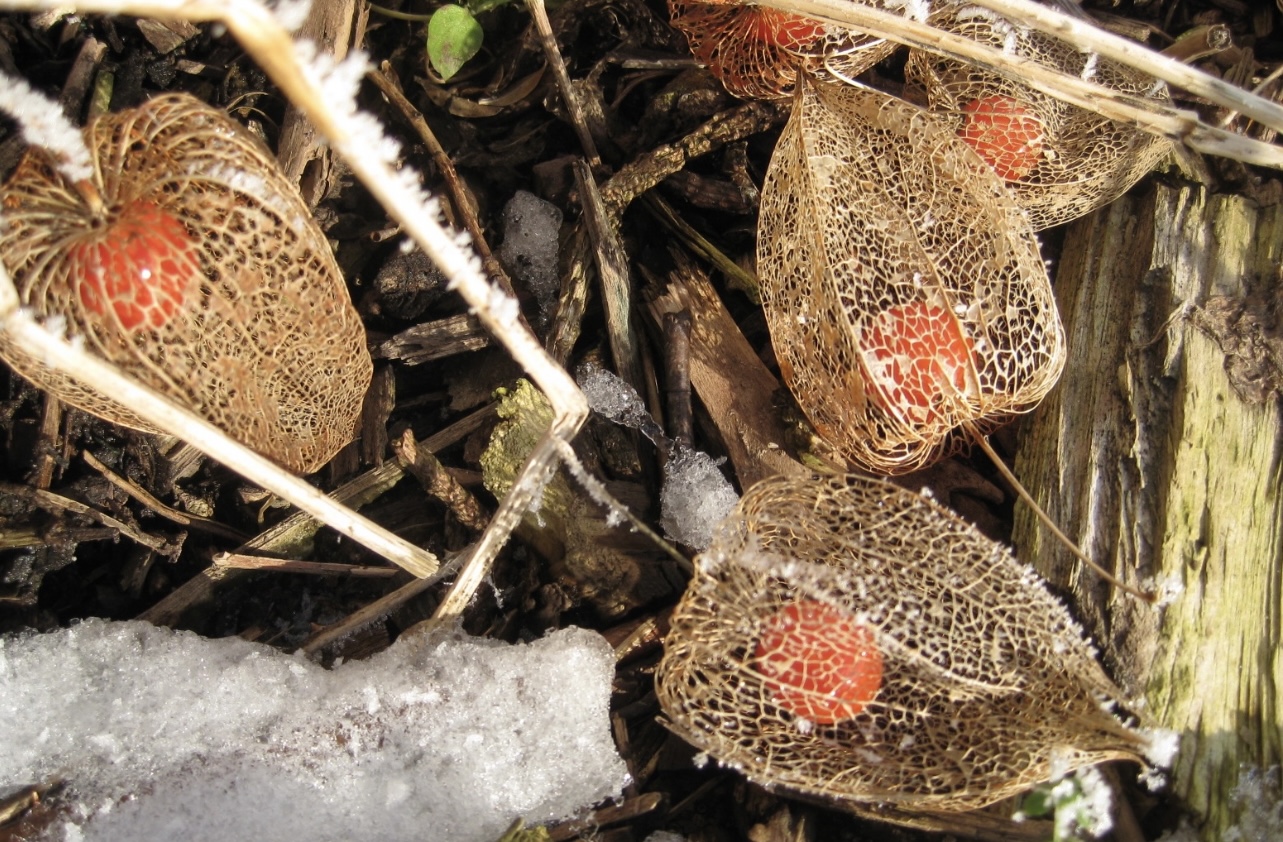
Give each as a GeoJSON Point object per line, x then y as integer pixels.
{"type": "Point", "coordinates": [386, 82]}
{"type": "Point", "coordinates": [314, 568]}
{"type": "Point", "coordinates": [552, 53]}
{"type": "Point", "coordinates": [295, 533]}
{"type": "Point", "coordinates": [436, 480]}
{"type": "Point", "coordinates": [56, 502]}
{"type": "Point", "coordinates": [149, 500]}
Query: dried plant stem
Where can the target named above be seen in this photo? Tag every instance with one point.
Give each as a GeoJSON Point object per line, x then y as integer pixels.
{"type": "Point", "coordinates": [548, 41]}
{"type": "Point", "coordinates": [313, 568]}
{"type": "Point", "coordinates": [70, 359]}
{"type": "Point", "coordinates": [50, 426]}
{"type": "Point", "coordinates": [437, 481]}
{"type": "Point", "coordinates": [293, 535]}
{"type": "Point", "coordinates": [149, 500]}
{"type": "Point", "coordinates": [523, 492]}
{"type": "Point", "coordinates": [1024, 495]}
{"type": "Point", "coordinates": [1199, 43]}
{"type": "Point", "coordinates": [49, 500]}
{"type": "Point", "coordinates": [1176, 124]}
{"type": "Point", "coordinates": [1086, 36]}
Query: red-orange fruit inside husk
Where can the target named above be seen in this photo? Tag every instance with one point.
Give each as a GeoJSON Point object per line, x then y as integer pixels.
{"type": "Point", "coordinates": [916, 353]}
{"type": "Point", "coordinates": [1004, 134]}
{"type": "Point", "coordinates": [142, 266]}
{"type": "Point", "coordinates": [782, 29]}
{"type": "Point", "coordinates": [823, 666]}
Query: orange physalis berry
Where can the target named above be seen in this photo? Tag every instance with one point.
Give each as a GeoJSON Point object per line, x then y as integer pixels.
{"type": "Point", "coordinates": [142, 266]}
{"type": "Point", "coordinates": [915, 354]}
{"type": "Point", "coordinates": [782, 29]}
{"type": "Point", "coordinates": [1004, 134]}
{"type": "Point", "coordinates": [823, 665]}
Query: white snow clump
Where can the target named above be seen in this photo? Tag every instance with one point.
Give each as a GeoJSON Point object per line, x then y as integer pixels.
{"type": "Point", "coordinates": [695, 498]}
{"type": "Point", "coordinates": [167, 735]}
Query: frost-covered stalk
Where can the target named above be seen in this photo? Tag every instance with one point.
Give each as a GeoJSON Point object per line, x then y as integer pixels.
{"type": "Point", "coordinates": [43, 124]}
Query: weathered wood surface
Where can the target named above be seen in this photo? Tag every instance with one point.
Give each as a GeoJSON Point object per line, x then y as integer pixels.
{"type": "Point", "coordinates": [1151, 458]}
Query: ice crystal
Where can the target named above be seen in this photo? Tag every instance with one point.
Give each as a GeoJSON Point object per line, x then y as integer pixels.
{"type": "Point", "coordinates": [44, 124]}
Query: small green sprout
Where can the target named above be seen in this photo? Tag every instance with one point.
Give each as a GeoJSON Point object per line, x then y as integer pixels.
{"type": "Point", "coordinates": [1081, 805]}
{"type": "Point", "coordinates": [454, 35]}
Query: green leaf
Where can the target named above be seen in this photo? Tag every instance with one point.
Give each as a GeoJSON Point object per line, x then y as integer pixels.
{"type": "Point", "coordinates": [1038, 803]}
{"type": "Point", "coordinates": [454, 36]}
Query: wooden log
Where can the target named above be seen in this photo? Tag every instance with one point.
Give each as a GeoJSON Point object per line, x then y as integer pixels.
{"type": "Point", "coordinates": [1160, 454]}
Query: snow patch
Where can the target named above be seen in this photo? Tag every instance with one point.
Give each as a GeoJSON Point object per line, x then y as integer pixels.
{"type": "Point", "coordinates": [167, 735]}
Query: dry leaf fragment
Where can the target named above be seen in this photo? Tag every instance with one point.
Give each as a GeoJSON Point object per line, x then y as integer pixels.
{"type": "Point", "coordinates": [1060, 161]}
{"type": "Point", "coordinates": [903, 287]}
{"type": "Point", "coordinates": [952, 679]}
{"type": "Point", "coordinates": [192, 264]}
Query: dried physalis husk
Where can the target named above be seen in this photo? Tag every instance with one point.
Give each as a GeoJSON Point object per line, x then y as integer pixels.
{"type": "Point", "coordinates": [848, 639]}
{"type": "Point", "coordinates": [902, 285]}
{"type": "Point", "coordinates": [1059, 160]}
{"type": "Point", "coordinates": [193, 265]}
{"type": "Point", "coordinates": [756, 51]}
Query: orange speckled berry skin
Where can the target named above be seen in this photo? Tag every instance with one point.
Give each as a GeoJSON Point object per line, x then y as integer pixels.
{"type": "Point", "coordinates": [1003, 133]}
{"type": "Point", "coordinates": [823, 666]}
{"type": "Point", "coordinates": [140, 268]}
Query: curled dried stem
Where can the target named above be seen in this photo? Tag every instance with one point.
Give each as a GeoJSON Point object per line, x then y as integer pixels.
{"type": "Point", "coordinates": [1023, 493]}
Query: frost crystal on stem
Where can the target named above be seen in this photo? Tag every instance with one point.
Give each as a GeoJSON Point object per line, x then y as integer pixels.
{"type": "Point", "coordinates": [43, 124]}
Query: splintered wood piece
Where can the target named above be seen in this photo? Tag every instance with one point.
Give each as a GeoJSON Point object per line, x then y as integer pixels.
{"type": "Point", "coordinates": [756, 51]}
{"type": "Point", "coordinates": [1059, 160]}
{"type": "Point", "coordinates": [1174, 473]}
{"type": "Point", "coordinates": [903, 287]}
{"type": "Point", "coordinates": [848, 639]}
{"type": "Point", "coordinates": [193, 265]}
